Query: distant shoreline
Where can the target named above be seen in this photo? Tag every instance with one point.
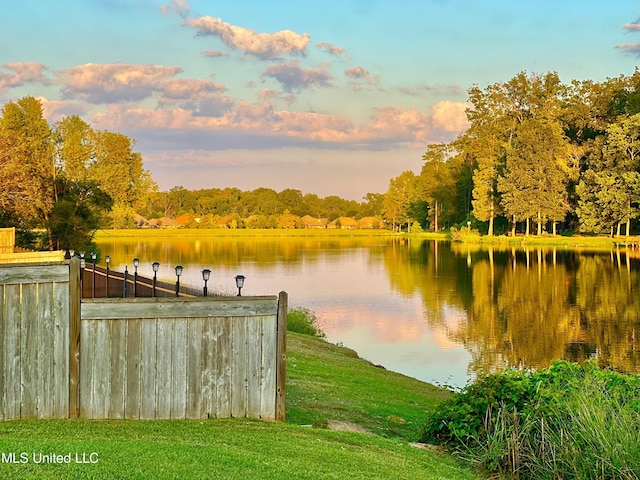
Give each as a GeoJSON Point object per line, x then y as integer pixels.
{"type": "Point", "coordinates": [576, 241]}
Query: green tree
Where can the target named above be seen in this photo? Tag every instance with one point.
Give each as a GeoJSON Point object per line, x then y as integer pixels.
{"type": "Point", "coordinates": [402, 192]}
{"type": "Point", "coordinates": [76, 214]}
{"type": "Point", "coordinates": [485, 143]}
{"type": "Point", "coordinates": [27, 164]}
{"type": "Point", "coordinates": [118, 169]}
{"type": "Point", "coordinates": [534, 182]}
{"type": "Point", "coordinates": [440, 183]}
{"type": "Point", "coordinates": [610, 188]}
{"type": "Point", "coordinates": [74, 147]}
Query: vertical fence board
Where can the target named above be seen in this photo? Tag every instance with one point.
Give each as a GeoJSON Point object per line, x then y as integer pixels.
{"type": "Point", "coordinates": [61, 355]}
{"type": "Point", "coordinates": [75, 294]}
{"type": "Point", "coordinates": [118, 367]}
{"type": "Point", "coordinates": [163, 368]}
{"type": "Point", "coordinates": [223, 364]}
{"type": "Point", "coordinates": [239, 373]}
{"type": "Point", "coordinates": [209, 389]}
{"type": "Point", "coordinates": [86, 374]}
{"type": "Point", "coordinates": [101, 370]}
{"type": "Point", "coordinates": [132, 393]}
{"type": "Point", "coordinates": [281, 381]}
{"type": "Point", "coordinates": [12, 367]}
{"type": "Point", "coordinates": [254, 364]}
{"type": "Point", "coordinates": [268, 368]}
{"type": "Point", "coordinates": [148, 359]}
{"type": "Point", "coordinates": [29, 351]}
{"type": "Point", "coordinates": [179, 369]}
{"type": "Point", "coordinates": [194, 369]}
{"type": "Point", "coordinates": [46, 349]}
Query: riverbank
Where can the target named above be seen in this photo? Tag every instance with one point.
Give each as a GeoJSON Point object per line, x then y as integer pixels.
{"type": "Point", "coordinates": [462, 236]}
{"type": "Point", "coordinates": [346, 419]}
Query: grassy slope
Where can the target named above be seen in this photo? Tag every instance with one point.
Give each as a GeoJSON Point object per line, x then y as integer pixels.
{"type": "Point", "coordinates": [325, 382]}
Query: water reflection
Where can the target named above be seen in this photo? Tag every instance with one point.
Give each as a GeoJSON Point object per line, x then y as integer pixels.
{"type": "Point", "coordinates": [437, 311]}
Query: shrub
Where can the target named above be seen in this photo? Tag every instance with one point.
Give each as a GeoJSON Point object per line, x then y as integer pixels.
{"type": "Point", "coordinates": [302, 320]}
{"type": "Point", "coordinates": [567, 421]}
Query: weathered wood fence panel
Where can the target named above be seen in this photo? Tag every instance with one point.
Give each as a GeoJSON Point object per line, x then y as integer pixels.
{"type": "Point", "coordinates": [179, 358]}
{"type": "Point", "coordinates": [34, 341]}
{"type": "Point", "coordinates": [168, 357]}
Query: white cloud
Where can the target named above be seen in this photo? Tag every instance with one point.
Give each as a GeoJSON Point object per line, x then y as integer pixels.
{"type": "Point", "coordinates": [450, 116]}
{"type": "Point", "coordinates": [262, 45]}
{"type": "Point", "coordinates": [108, 83]}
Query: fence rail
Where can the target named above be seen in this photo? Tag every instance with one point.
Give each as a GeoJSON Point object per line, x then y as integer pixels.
{"type": "Point", "coordinates": [170, 357]}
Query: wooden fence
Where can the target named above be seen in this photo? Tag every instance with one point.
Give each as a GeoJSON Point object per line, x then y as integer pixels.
{"type": "Point", "coordinates": [135, 357]}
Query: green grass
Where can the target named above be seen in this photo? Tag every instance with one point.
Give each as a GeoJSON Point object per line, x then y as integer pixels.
{"type": "Point", "coordinates": [325, 383]}
{"type": "Point", "coordinates": [568, 421]}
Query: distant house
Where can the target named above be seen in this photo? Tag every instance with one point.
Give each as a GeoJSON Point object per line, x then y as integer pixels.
{"type": "Point", "coordinates": [370, 222]}
{"type": "Point", "coordinates": [311, 222]}
{"type": "Point", "coordinates": [162, 222]}
{"type": "Point", "coordinates": [343, 223]}
{"type": "Point", "coordinates": [184, 219]}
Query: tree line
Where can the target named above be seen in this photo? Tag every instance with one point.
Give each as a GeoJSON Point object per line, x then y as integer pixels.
{"type": "Point", "coordinates": [537, 153]}
{"type": "Point", "coordinates": [258, 208]}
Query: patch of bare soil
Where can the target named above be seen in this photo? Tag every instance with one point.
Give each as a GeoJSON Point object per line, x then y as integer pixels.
{"type": "Point", "coordinates": [346, 426]}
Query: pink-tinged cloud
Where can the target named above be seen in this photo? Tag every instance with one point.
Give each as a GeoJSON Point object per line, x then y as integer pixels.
{"type": "Point", "coordinates": [362, 74]}
{"type": "Point", "coordinates": [261, 45]}
{"type": "Point", "coordinates": [21, 74]}
{"type": "Point", "coordinates": [268, 94]}
{"type": "Point", "coordinates": [181, 89]}
{"type": "Point", "coordinates": [450, 116]}
{"type": "Point", "coordinates": [633, 26]}
{"type": "Point", "coordinates": [295, 78]}
{"type": "Point", "coordinates": [109, 83]}
{"type": "Point", "coordinates": [330, 48]}
{"type": "Point", "coordinates": [178, 7]}
{"type": "Point", "coordinates": [631, 48]}
{"type": "Point", "coordinates": [214, 53]}
{"type": "Point", "coordinates": [56, 110]}
{"type": "Point", "coordinates": [260, 125]}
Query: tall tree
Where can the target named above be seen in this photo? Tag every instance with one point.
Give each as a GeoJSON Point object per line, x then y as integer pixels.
{"type": "Point", "coordinates": [610, 188]}
{"type": "Point", "coordinates": [26, 162]}
{"type": "Point", "coordinates": [534, 183]}
{"type": "Point", "coordinates": [402, 192]}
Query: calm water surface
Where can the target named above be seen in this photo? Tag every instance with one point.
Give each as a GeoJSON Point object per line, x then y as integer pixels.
{"type": "Point", "coordinates": [439, 312]}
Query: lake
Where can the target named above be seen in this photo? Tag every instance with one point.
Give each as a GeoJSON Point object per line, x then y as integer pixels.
{"type": "Point", "coordinates": [436, 311]}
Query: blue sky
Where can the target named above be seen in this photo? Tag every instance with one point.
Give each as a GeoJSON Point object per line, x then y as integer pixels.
{"type": "Point", "coordinates": [331, 97]}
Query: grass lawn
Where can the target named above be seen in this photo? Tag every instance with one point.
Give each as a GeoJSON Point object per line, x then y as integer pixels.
{"type": "Point", "coordinates": [327, 386]}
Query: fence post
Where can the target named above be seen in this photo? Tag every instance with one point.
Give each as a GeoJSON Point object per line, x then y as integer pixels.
{"type": "Point", "coordinates": [281, 369]}
{"type": "Point", "coordinates": [75, 295]}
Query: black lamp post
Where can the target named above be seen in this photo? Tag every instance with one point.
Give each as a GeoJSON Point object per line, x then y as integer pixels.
{"type": "Point", "coordinates": [93, 283]}
{"type": "Point", "coordinates": [178, 273]}
{"type": "Point", "coordinates": [107, 260]}
{"type": "Point", "coordinates": [240, 283]}
{"type": "Point", "coordinates": [136, 263]}
{"type": "Point", "coordinates": [206, 274]}
{"type": "Point", "coordinates": [155, 266]}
